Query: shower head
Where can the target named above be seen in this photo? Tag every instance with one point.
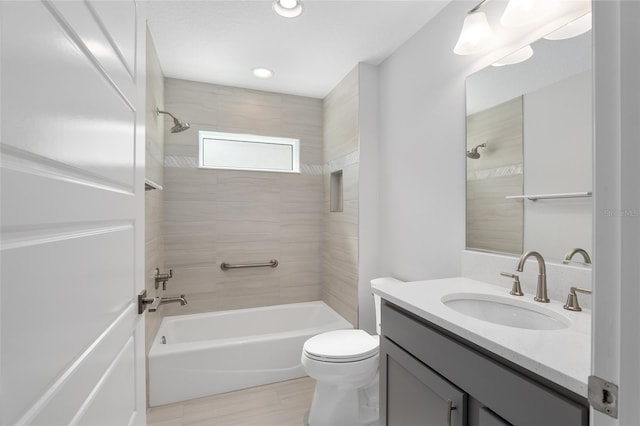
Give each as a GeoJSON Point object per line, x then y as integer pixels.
{"type": "Point", "coordinates": [178, 125]}
{"type": "Point", "coordinates": [473, 153]}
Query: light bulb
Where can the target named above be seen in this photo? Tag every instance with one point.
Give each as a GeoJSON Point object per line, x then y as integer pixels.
{"type": "Point", "coordinates": [288, 8]}
{"type": "Point", "coordinates": [288, 4]}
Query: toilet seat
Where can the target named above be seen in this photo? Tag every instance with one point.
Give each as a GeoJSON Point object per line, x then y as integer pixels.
{"type": "Point", "coordinates": [341, 346]}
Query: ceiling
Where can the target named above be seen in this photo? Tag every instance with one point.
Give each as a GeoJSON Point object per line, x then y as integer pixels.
{"type": "Point", "coordinates": [222, 41]}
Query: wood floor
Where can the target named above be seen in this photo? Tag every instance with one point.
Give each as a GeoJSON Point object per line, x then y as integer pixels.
{"type": "Point", "coordinates": [277, 404]}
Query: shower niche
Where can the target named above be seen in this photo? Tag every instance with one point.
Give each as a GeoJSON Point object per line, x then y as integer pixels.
{"type": "Point", "coordinates": [336, 192]}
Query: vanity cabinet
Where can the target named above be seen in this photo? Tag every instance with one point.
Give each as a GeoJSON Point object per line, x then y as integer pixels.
{"type": "Point", "coordinates": [424, 370]}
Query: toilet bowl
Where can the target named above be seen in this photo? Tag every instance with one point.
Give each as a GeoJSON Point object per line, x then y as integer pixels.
{"type": "Point", "coordinates": [344, 364]}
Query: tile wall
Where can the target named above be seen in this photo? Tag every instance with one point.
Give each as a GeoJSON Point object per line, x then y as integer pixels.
{"type": "Point", "coordinates": [494, 222]}
{"type": "Point", "coordinates": [154, 200]}
{"type": "Point", "coordinates": [214, 216]}
{"type": "Point", "coordinates": [342, 152]}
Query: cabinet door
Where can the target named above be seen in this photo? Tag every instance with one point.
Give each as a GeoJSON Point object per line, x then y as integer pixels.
{"type": "Point", "coordinates": [489, 418]}
{"type": "Point", "coordinates": [412, 394]}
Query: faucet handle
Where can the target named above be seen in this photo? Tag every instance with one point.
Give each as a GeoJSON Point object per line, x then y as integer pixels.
{"type": "Point", "coordinates": [516, 289]}
{"type": "Point", "coordinates": [572, 299]}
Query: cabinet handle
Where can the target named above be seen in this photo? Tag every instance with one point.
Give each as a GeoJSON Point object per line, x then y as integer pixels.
{"type": "Point", "coordinates": [450, 408]}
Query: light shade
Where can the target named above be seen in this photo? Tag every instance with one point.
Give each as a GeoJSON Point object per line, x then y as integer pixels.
{"type": "Point", "coordinates": [475, 35]}
{"type": "Point", "coordinates": [520, 13]}
{"type": "Point", "coordinates": [516, 57]}
{"type": "Point", "coordinates": [572, 29]}
{"type": "Point", "coordinates": [288, 8]}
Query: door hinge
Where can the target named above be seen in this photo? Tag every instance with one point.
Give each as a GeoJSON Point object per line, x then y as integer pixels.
{"type": "Point", "coordinates": [603, 396]}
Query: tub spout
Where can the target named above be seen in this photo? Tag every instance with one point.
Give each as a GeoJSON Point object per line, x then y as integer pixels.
{"type": "Point", "coordinates": [181, 299]}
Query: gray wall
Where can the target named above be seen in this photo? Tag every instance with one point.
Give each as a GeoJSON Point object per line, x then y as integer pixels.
{"type": "Point", "coordinates": [214, 216]}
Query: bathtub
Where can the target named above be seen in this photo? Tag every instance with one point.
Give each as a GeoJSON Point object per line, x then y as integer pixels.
{"type": "Point", "coordinates": [216, 352]}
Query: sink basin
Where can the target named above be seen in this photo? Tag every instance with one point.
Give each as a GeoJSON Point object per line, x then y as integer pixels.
{"type": "Point", "coordinates": [506, 311]}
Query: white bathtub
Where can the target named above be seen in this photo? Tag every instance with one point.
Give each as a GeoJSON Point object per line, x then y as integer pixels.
{"type": "Point", "coordinates": [217, 352]}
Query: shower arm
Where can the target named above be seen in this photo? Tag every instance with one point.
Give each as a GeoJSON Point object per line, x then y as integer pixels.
{"type": "Point", "coordinates": [158, 112]}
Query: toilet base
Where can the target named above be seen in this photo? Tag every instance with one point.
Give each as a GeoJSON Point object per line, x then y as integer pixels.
{"type": "Point", "coordinates": [338, 406]}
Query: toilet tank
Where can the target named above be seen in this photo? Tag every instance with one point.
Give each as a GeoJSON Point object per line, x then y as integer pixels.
{"type": "Point", "coordinates": [377, 300]}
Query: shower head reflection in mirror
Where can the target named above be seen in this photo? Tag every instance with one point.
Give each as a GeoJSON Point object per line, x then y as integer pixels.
{"type": "Point", "coordinates": [473, 153]}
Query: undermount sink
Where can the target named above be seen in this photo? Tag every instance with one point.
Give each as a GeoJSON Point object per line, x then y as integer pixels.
{"type": "Point", "coordinates": [506, 311]}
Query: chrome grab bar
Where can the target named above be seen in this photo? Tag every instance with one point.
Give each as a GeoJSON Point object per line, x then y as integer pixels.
{"type": "Point", "coordinates": [226, 266]}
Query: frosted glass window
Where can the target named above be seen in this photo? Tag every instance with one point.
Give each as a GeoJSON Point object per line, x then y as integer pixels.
{"type": "Point", "coordinates": [249, 152]}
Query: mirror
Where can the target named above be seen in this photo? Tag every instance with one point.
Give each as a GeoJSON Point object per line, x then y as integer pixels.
{"type": "Point", "coordinates": [529, 152]}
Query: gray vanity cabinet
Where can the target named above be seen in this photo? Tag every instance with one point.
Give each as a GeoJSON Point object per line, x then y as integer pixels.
{"type": "Point", "coordinates": [416, 395]}
{"type": "Point", "coordinates": [423, 367]}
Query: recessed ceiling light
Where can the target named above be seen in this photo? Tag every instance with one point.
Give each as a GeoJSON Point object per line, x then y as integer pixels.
{"type": "Point", "coordinates": [288, 8]}
{"type": "Point", "coordinates": [262, 72]}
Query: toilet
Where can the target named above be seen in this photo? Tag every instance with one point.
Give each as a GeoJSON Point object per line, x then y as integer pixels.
{"type": "Point", "coordinates": [344, 364]}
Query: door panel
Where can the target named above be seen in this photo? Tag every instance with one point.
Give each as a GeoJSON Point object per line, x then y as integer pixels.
{"type": "Point", "coordinates": [70, 111]}
{"type": "Point", "coordinates": [122, 27]}
{"type": "Point", "coordinates": [88, 22]}
{"type": "Point", "coordinates": [72, 242]}
{"type": "Point", "coordinates": [113, 398]}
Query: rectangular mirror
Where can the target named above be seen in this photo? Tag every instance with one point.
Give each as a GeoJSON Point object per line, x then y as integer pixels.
{"type": "Point", "coordinates": [529, 152]}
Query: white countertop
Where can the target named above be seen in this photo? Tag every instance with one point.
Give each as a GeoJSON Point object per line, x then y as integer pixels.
{"type": "Point", "coordinates": [562, 356]}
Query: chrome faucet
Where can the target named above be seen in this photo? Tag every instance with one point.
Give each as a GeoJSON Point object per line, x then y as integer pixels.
{"type": "Point", "coordinates": [541, 291]}
{"type": "Point", "coordinates": [155, 302]}
{"type": "Point", "coordinates": [153, 306]}
{"type": "Point", "coordinates": [575, 251]}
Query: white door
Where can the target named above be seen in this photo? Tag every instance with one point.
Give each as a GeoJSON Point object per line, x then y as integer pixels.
{"type": "Point", "coordinates": [72, 243]}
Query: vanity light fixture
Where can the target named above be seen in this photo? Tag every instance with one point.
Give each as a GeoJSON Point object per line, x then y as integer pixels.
{"type": "Point", "coordinates": [520, 13]}
{"type": "Point", "coordinates": [476, 33]}
{"type": "Point", "coordinates": [516, 57]}
{"type": "Point", "coordinates": [572, 29]}
{"type": "Point", "coordinates": [262, 72]}
{"type": "Point", "coordinates": [288, 8]}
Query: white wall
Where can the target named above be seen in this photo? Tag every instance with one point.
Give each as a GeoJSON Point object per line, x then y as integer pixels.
{"type": "Point", "coordinates": [422, 140]}
{"type": "Point", "coordinates": [368, 222]}
{"type": "Point", "coordinates": [557, 159]}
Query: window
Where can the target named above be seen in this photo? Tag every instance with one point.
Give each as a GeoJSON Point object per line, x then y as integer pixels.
{"type": "Point", "coordinates": [248, 152]}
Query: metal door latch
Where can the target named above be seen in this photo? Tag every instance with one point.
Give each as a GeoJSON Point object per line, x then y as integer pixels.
{"type": "Point", "coordinates": [603, 396]}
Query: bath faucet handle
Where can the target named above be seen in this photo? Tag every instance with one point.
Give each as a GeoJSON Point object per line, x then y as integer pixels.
{"type": "Point", "coordinates": [572, 299]}
{"type": "Point", "coordinates": [143, 301]}
{"type": "Point", "coordinates": [162, 278]}
{"type": "Point", "coordinates": [516, 289]}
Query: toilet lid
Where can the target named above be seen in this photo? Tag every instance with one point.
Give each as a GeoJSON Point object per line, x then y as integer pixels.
{"type": "Point", "coordinates": [342, 346]}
